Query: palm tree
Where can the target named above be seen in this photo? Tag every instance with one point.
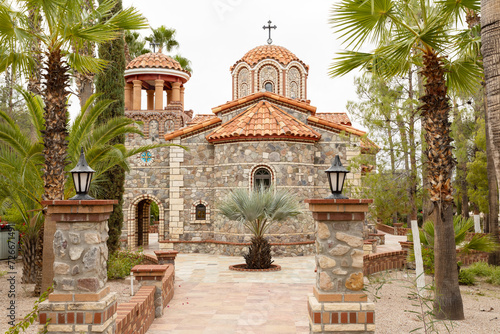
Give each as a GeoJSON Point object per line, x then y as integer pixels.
{"type": "Point", "coordinates": [21, 158]}
{"type": "Point", "coordinates": [258, 210]}
{"type": "Point", "coordinates": [490, 49]}
{"type": "Point", "coordinates": [164, 37]}
{"type": "Point", "coordinates": [63, 33]}
{"type": "Point", "coordinates": [418, 32]}
{"type": "Point", "coordinates": [184, 62]}
{"type": "Point", "coordinates": [134, 46]}
{"type": "Point", "coordinates": [461, 227]}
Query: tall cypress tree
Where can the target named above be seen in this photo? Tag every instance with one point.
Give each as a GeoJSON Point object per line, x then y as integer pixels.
{"type": "Point", "coordinates": [111, 84]}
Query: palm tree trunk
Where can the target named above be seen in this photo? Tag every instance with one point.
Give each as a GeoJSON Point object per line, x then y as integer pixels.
{"type": "Point", "coordinates": [35, 75]}
{"type": "Point", "coordinates": [492, 226]}
{"type": "Point", "coordinates": [490, 49]}
{"type": "Point", "coordinates": [54, 139]}
{"type": "Point", "coordinates": [435, 109]}
{"type": "Point", "coordinates": [85, 81]}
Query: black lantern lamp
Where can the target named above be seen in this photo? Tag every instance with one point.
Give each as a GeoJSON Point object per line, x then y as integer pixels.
{"type": "Point", "coordinates": [336, 177]}
{"type": "Point", "coordinates": [82, 175]}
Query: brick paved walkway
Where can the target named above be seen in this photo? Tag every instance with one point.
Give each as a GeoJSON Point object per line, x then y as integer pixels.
{"type": "Point", "coordinates": [209, 298]}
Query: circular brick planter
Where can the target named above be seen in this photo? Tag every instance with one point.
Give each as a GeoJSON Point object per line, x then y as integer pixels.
{"type": "Point", "coordinates": [242, 267]}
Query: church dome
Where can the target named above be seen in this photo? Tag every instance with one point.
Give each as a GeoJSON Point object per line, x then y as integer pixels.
{"type": "Point", "coordinates": [280, 54]}
{"type": "Point", "coordinates": [155, 60]}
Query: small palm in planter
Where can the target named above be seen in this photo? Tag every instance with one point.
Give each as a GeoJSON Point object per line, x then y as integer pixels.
{"type": "Point", "coordinates": [258, 210]}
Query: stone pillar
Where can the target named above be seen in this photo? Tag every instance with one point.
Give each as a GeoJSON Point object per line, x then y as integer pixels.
{"type": "Point", "coordinates": [176, 202]}
{"type": "Point", "coordinates": [176, 92]}
{"type": "Point", "coordinates": [169, 96]}
{"type": "Point", "coordinates": [80, 302]}
{"type": "Point", "coordinates": [159, 94]}
{"type": "Point", "coordinates": [166, 256]}
{"type": "Point", "coordinates": [128, 96]}
{"type": "Point", "coordinates": [151, 99]}
{"type": "Point", "coordinates": [182, 96]}
{"type": "Point", "coordinates": [137, 95]}
{"type": "Point", "coordinates": [338, 304]}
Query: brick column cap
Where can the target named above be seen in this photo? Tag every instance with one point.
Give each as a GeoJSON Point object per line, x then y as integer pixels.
{"type": "Point", "coordinates": [166, 252]}
{"type": "Point", "coordinates": [338, 201]}
{"type": "Point", "coordinates": [81, 202]}
{"type": "Point", "coordinates": [148, 268]}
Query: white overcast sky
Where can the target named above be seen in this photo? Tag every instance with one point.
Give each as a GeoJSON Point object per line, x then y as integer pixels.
{"type": "Point", "coordinates": [214, 34]}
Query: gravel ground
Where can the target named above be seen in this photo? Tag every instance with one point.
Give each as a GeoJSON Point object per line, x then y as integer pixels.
{"type": "Point", "coordinates": [393, 311]}
{"type": "Point", "coordinates": [481, 302]}
{"type": "Point", "coordinates": [25, 300]}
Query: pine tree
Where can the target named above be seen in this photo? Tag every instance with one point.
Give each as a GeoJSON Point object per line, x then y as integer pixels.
{"type": "Point", "coordinates": [110, 83]}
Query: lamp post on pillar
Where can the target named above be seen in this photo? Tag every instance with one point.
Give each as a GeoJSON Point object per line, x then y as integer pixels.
{"type": "Point", "coordinates": [339, 304]}
{"type": "Point", "coordinates": [76, 257]}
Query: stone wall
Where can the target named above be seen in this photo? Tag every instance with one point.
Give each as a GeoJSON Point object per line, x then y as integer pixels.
{"type": "Point", "coordinates": [205, 173]}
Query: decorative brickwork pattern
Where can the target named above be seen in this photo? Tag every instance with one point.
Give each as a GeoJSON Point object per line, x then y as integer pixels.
{"type": "Point", "coordinates": [193, 212]}
{"type": "Point", "coordinates": [375, 263]}
{"type": "Point", "coordinates": [157, 289]}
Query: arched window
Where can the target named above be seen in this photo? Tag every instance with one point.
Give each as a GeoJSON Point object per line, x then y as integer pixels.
{"type": "Point", "coordinates": [262, 178]}
{"type": "Point", "coordinates": [269, 87]}
{"type": "Point", "coordinates": [201, 212]}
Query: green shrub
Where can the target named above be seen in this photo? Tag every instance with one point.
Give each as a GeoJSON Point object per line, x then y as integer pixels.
{"type": "Point", "coordinates": [494, 277]}
{"type": "Point", "coordinates": [481, 269]}
{"type": "Point", "coordinates": [120, 263]}
{"type": "Point", "coordinates": [466, 277]}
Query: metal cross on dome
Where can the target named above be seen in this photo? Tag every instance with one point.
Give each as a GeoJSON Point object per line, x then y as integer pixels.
{"type": "Point", "coordinates": [269, 26]}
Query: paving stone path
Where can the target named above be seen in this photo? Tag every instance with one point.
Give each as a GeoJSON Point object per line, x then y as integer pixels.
{"type": "Point", "coordinates": [209, 298]}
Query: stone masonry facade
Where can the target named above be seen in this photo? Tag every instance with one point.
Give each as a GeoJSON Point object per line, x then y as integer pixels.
{"type": "Point", "coordinates": [292, 143]}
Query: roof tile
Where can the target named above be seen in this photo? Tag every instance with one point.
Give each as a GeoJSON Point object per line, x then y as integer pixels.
{"type": "Point", "coordinates": [155, 60]}
{"type": "Point", "coordinates": [276, 52]}
{"type": "Point", "coordinates": [263, 120]}
{"type": "Point", "coordinates": [335, 117]}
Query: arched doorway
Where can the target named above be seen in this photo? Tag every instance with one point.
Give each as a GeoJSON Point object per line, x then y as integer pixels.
{"type": "Point", "coordinates": [145, 210]}
{"type": "Point", "coordinates": [143, 220]}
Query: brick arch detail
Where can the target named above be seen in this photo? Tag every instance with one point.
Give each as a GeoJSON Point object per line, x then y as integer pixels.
{"type": "Point", "coordinates": [279, 79]}
{"type": "Point", "coordinates": [132, 223]}
{"type": "Point", "coordinates": [193, 212]}
{"type": "Point", "coordinates": [254, 169]}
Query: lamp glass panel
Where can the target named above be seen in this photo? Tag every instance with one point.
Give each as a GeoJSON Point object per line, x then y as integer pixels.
{"type": "Point", "coordinates": [76, 181]}
{"type": "Point", "coordinates": [341, 181]}
{"type": "Point", "coordinates": [83, 182]}
{"type": "Point", "coordinates": [333, 180]}
{"type": "Point", "coordinates": [89, 179]}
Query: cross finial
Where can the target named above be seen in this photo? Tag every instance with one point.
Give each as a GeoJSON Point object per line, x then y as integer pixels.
{"type": "Point", "coordinates": [269, 26]}
{"type": "Point", "coordinates": [154, 44]}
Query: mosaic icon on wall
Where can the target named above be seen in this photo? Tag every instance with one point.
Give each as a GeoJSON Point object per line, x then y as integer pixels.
{"type": "Point", "coordinates": [146, 158]}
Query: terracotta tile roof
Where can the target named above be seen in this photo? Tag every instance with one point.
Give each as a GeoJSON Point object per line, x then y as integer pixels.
{"type": "Point", "coordinates": [306, 107]}
{"type": "Point", "coordinates": [369, 147]}
{"type": "Point", "coordinates": [192, 128]}
{"type": "Point", "coordinates": [336, 126]}
{"type": "Point", "coordinates": [335, 117]}
{"type": "Point", "coordinates": [278, 53]}
{"type": "Point", "coordinates": [155, 60]}
{"type": "Point", "coordinates": [200, 118]}
{"type": "Point", "coordinates": [263, 120]}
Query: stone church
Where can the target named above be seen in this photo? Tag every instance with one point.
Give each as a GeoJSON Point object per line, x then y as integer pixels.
{"type": "Point", "coordinates": [269, 133]}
